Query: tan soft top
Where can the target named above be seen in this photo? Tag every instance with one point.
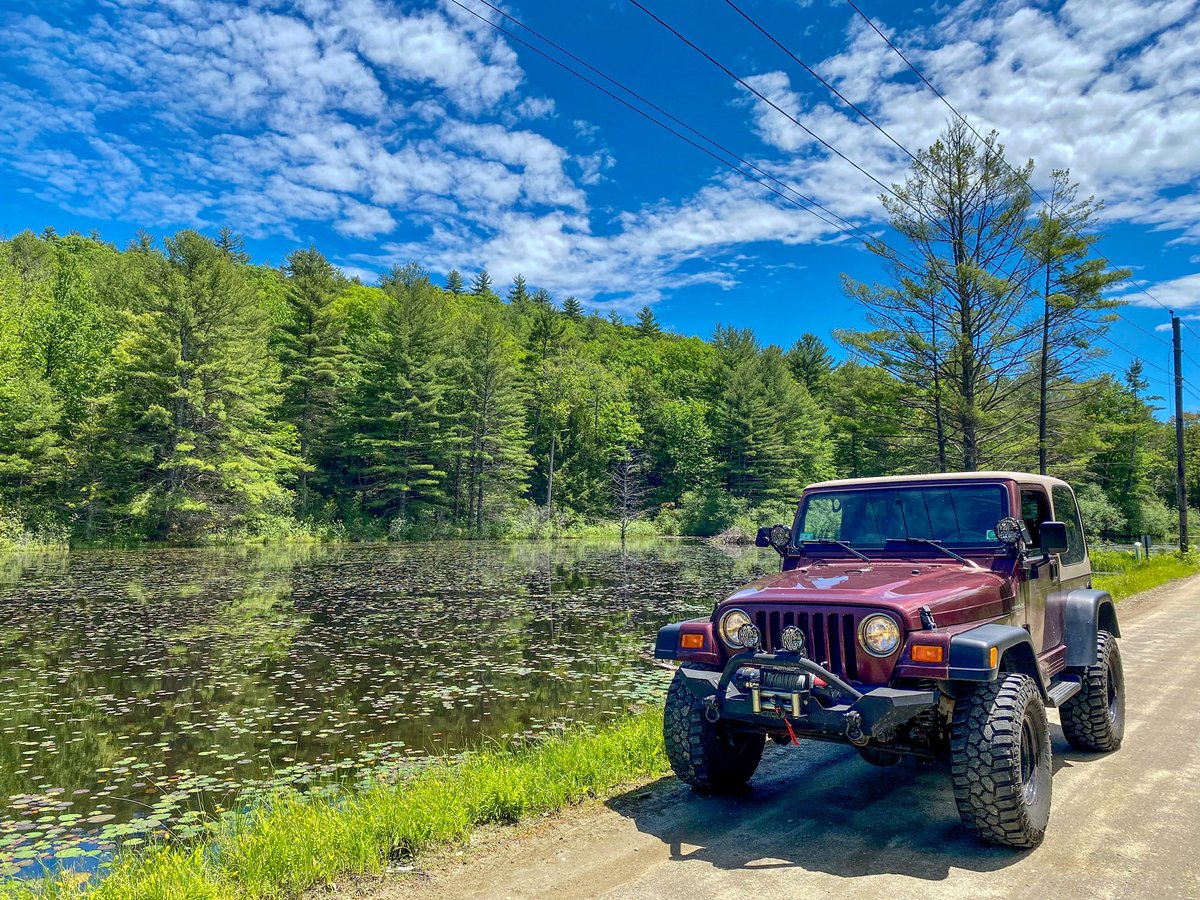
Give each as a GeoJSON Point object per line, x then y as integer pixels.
{"type": "Point", "coordinates": [1024, 477]}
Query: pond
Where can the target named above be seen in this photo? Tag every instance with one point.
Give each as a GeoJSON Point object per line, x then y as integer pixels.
{"type": "Point", "coordinates": [143, 691]}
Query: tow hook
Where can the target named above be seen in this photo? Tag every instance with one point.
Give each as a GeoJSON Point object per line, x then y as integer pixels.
{"type": "Point", "coordinates": [711, 712]}
{"type": "Point", "coordinates": [854, 732]}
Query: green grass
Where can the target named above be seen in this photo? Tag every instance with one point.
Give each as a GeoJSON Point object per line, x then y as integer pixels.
{"type": "Point", "coordinates": [295, 842]}
{"type": "Point", "coordinates": [1130, 576]}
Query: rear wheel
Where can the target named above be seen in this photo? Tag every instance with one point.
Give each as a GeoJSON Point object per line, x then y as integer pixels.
{"type": "Point", "coordinates": [1000, 762]}
{"type": "Point", "coordinates": [710, 756]}
{"type": "Point", "coordinates": [1094, 719]}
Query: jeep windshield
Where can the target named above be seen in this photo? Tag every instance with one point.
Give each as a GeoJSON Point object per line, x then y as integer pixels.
{"type": "Point", "coordinates": [902, 519]}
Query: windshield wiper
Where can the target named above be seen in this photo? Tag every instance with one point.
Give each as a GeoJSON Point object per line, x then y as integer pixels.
{"type": "Point", "coordinates": [936, 545]}
{"type": "Point", "coordinates": [841, 544]}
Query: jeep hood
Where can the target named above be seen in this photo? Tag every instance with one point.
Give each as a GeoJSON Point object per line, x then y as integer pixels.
{"type": "Point", "coordinates": [955, 594]}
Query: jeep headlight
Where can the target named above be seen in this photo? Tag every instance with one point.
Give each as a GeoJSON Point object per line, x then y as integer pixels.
{"type": "Point", "coordinates": [879, 635]}
{"type": "Point", "coordinates": [731, 623]}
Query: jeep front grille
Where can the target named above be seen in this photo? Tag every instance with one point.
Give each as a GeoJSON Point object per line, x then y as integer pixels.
{"type": "Point", "coordinates": [829, 638]}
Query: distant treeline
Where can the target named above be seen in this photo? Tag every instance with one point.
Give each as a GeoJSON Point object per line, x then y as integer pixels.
{"type": "Point", "coordinates": [176, 392]}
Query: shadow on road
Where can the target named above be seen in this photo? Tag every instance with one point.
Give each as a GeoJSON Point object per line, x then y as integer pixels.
{"type": "Point", "coordinates": [819, 807]}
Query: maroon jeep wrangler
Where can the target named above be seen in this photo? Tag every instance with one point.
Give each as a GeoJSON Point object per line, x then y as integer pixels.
{"type": "Point", "coordinates": [932, 616]}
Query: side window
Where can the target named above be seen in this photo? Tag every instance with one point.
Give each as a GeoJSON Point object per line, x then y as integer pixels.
{"type": "Point", "coordinates": [1068, 513]}
{"type": "Point", "coordinates": [1035, 509]}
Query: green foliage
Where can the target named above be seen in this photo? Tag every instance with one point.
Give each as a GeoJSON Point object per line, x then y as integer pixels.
{"type": "Point", "coordinates": [1123, 576]}
{"type": "Point", "coordinates": [177, 392]}
{"type": "Point", "coordinates": [1101, 517]}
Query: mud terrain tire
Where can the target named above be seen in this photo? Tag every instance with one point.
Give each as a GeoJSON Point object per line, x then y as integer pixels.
{"type": "Point", "coordinates": [1000, 762]}
{"type": "Point", "coordinates": [709, 756]}
{"type": "Point", "coordinates": [1094, 719]}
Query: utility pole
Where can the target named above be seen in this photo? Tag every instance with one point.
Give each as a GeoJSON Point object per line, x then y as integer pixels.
{"type": "Point", "coordinates": [1180, 489]}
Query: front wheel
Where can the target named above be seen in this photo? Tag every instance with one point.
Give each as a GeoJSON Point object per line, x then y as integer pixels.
{"type": "Point", "coordinates": [1094, 719]}
{"type": "Point", "coordinates": [1000, 762]}
{"type": "Point", "coordinates": [710, 756]}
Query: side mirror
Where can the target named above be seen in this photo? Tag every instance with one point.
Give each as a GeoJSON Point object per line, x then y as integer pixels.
{"type": "Point", "coordinates": [776, 536]}
{"type": "Point", "coordinates": [1053, 537]}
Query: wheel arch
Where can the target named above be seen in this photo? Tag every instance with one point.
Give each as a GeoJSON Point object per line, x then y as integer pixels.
{"type": "Point", "coordinates": [1086, 613]}
{"type": "Point", "coordinates": [982, 653]}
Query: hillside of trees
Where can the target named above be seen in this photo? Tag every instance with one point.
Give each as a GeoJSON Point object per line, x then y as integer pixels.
{"type": "Point", "coordinates": [172, 391]}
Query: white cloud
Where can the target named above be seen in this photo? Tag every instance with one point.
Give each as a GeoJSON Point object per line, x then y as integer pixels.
{"type": "Point", "coordinates": [383, 120]}
{"type": "Point", "coordinates": [1177, 293]}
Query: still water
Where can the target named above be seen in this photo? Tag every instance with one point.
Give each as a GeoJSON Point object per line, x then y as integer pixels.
{"type": "Point", "coordinates": [142, 691]}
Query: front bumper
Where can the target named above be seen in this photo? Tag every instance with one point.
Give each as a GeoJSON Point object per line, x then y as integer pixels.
{"type": "Point", "coordinates": [776, 690]}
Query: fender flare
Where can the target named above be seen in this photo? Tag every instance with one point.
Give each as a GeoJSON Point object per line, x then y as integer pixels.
{"type": "Point", "coordinates": [971, 654]}
{"type": "Point", "coordinates": [1087, 612]}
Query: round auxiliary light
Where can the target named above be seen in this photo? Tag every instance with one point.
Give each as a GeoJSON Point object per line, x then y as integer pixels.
{"type": "Point", "coordinates": [749, 636]}
{"type": "Point", "coordinates": [792, 639]}
{"type": "Point", "coordinates": [879, 635]}
{"type": "Point", "coordinates": [1009, 530]}
{"type": "Point", "coordinates": [731, 624]}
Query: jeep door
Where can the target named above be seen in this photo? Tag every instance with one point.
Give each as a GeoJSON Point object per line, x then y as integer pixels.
{"type": "Point", "coordinates": [1074, 567]}
{"type": "Point", "coordinates": [1036, 593]}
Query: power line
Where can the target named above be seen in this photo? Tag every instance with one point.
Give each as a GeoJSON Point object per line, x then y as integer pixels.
{"type": "Point", "coordinates": [966, 122]}
{"type": "Point", "coordinates": [775, 106]}
{"type": "Point", "coordinates": [864, 115]}
{"type": "Point", "coordinates": [869, 240]}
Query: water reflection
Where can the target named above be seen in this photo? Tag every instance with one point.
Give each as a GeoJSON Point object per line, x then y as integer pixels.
{"type": "Point", "coordinates": [142, 690]}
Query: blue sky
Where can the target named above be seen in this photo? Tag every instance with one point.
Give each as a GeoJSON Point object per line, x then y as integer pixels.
{"type": "Point", "coordinates": [386, 132]}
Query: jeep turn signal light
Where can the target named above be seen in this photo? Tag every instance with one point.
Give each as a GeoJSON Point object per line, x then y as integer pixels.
{"type": "Point", "coordinates": [993, 657]}
{"type": "Point", "coordinates": [691, 641]}
{"type": "Point", "coordinates": [927, 653]}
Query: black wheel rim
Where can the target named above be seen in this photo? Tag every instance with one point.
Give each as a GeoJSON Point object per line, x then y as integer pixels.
{"type": "Point", "coordinates": [1030, 754]}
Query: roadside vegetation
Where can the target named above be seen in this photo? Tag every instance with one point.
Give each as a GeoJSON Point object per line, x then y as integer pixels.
{"type": "Point", "coordinates": [1119, 573]}
{"type": "Point", "coordinates": [292, 842]}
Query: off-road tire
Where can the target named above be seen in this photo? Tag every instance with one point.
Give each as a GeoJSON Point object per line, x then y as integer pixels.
{"type": "Point", "coordinates": [710, 756]}
{"type": "Point", "coordinates": [1000, 761]}
{"type": "Point", "coordinates": [876, 757]}
{"type": "Point", "coordinates": [1094, 719]}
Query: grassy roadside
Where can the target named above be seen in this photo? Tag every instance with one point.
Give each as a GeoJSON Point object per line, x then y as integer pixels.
{"type": "Point", "coordinates": [1123, 576]}
{"type": "Point", "coordinates": [296, 842]}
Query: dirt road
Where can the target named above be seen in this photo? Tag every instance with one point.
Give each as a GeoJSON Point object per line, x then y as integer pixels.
{"type": "Point", "coordinates": [819, 822]}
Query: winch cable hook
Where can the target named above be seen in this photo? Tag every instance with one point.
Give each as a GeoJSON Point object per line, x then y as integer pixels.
{"type": "Point", "coordinates": [787, 724]}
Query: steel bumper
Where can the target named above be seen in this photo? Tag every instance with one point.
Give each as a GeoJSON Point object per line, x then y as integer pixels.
{"type": "Point", "coordinates": [773, 690]}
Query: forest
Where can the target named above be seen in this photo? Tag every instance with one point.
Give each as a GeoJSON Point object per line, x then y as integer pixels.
{"type": "Point", "coordinates": [170, 390]}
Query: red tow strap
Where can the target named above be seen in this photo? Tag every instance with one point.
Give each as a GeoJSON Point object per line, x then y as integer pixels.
{"type": "Point", "coordinates": [787, 725]}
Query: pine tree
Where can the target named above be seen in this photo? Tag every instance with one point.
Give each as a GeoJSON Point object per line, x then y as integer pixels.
{"type": "Point", "coordinates": [313, 354]}
{"type": "Point", "coordinates": [542, 297]}
{"type": "Point", "coordinates": [1072, 288]}
{"type": "Point", "coordinates": [498, 461]}
{"type": "Point", "coordinates": [573, 309]}
{"type": "Point", "coordinates": [194, 397]}
{"type": "Point", "coordinates": [232, 244]}
{"type": "Point", "coordinates": [399, 412]}
{"type": "Point", "coordinates": [647, 325]}
{"type": "Point", "coordinates": [950, 324]}
{"type": "Point", "coordinates": [454, 282]}
{"type": "Point", "coordinates": [30, 412]}
{"type": "Point", "coordinates": [772, 435]}
{"type": "Point", "coordinates": [811, 364]}
{"type": "Point", "coordinates": [481, 285]}
{"type": "Point", "coordinates": [517, 294]}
